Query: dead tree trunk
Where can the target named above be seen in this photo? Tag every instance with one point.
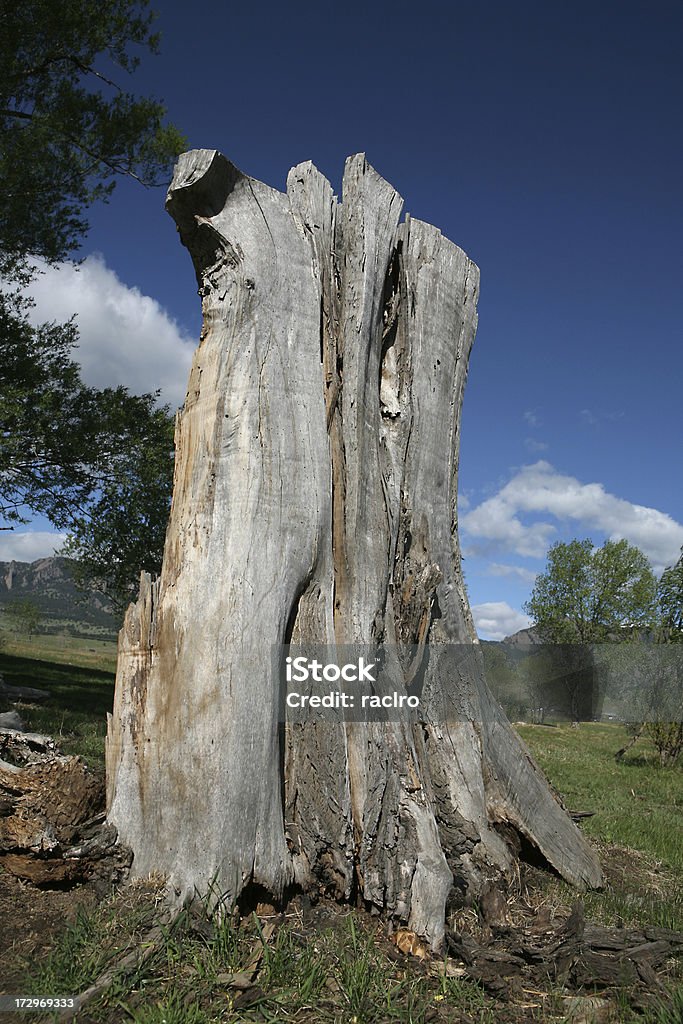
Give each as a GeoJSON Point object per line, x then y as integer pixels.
{"type": "Point", "coordinates": [315, 499]}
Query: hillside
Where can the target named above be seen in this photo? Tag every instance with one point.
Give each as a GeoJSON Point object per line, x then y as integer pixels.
{"type": "Point", "coordinates": [523, 638]}
{"type": "Point", "coordinates": [64, 609]}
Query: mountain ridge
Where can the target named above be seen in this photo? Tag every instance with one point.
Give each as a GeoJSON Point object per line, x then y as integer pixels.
{"type": "Point", "coordinates": [48, 583]}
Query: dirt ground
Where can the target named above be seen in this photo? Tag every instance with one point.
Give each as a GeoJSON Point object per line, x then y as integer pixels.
{"type": "Point", "coordinates": [31, 920]}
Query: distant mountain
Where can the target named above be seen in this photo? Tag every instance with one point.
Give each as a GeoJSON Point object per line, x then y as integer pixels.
{"type": "Point", "coordinates": [523, 638]}
{"type": "Point", "coordinates": [49, 584]}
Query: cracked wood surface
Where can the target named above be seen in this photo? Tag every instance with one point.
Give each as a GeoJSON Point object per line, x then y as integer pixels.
{"type": "Point", "coordinates": [315, 500]}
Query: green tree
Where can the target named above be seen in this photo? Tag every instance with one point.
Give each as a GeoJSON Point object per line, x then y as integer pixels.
{"type": "Point", "coordinates": [25, 614]}
{"type": "Point", "coordinates": [666, 731]}
{"type": "Point", "coordinates": [68, 132]}
{"type": "Point", "coordinates": [504, 679]}
{"type": "Point", "coordinates": [646, 679]}
{"type": "Point", "coordinates": [670, 602]}
{"type": "Point", "coordinates": [67, 129]}
{"type": "Point", "coordinates": [587, 596]}
{"type": "Point", "coordinates": [592, 595]}
{"type": "Point", "coordinates": [98, 463]}
{"type": "Point", "coordinates": [121, 532]}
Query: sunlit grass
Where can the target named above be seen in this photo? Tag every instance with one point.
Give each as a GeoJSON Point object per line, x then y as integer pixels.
{"type": "Point", "coordinates": [636, 802]}
{"type": "Point", "coordinates": [80, 697]}
{"type": "Point", "coordinates": [61, 650]}
{"type": "Point", "coordinates": [344, 973]}
{"type": "Point", "coordinates": [638, 808]}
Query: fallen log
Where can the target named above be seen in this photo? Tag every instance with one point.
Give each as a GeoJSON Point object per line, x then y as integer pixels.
{"type": "Point", "coordinates": [28, 694]}
{"type": "Point", "coordinates": [19, 746]}
{"type": "Point", "coordinates": [52, 828]}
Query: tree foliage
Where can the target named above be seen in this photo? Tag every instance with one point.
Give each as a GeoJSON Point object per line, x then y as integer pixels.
{"type": "Point", "coordinates": [68, 131]}
{"type": "Point", "coordinates": [123, 531]}
{"type": "Point", "coordinates": [41, 409]}
{"type": "Point", "coordinates": [592, 595]}
{"type": "Point", "coordinates": [96, 462]}
{"type": "Point", "coordinates": [24, 614]}
{"type": "Point", "coordinates": [667, 733]}
{"type": "Point", "coordinates": [670, 601]}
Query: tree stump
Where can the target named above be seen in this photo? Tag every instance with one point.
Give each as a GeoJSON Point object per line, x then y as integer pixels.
{"type": "Point", "coordinates": [315, 500]}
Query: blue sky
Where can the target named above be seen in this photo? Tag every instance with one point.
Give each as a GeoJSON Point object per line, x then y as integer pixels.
{"type": "Point", "coordinates": [544, 139]}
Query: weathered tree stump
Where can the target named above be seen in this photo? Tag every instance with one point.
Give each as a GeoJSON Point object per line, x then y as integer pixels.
{"type": "Point", "coordinates": [315, 500]}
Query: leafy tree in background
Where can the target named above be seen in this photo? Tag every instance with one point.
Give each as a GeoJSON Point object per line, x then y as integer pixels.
{"type": "Point", "coordinates": [592, 595]}
{"type": "Point", "coordinates": [68, 131]}
{"type": "Point", "coordinates": [610, 595]}
{"type": "Point", "coordinates": [670, 601]}
{"type": "Point", "coordinates": [587, 596]}
{"type": "Point", "coordinates": [98, 463]}
{"type": "Point", "coordinates": [25, 614]}
{"type": "Point", "coordinates": [124, 530]}
{"type": "Point", "coordinates": [666, 732]}
{"type": "Point", "coordinates": [504, 679]}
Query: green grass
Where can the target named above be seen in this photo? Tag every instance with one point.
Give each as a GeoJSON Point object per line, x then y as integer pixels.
{"type": "Point", "coordinates": [344, 974]}
{"type": "Point", "coordinates": [667, 1009]}
{"type": "Point", "coordinates": [81, 693]}
{"type": "Point", "coordinates": [61, 650]}
{"type": "Point", "coordinates": [636, 802]}
{"type": "Point", "coordinates": [78, 958]}
{"type": "Point", "coordinates": [329, 976]}
{"type": "Point", "coordinates": [638, 807]}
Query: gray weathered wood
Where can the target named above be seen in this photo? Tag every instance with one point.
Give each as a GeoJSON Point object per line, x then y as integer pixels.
{"type": "Point", "coordinates": [315, 499]}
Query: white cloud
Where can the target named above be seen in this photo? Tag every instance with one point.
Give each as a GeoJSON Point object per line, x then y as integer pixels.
{"type": "Point", "coordinates": [531, 417]}
{"type": "Point", "coordinates": [513, 571]}
{"type": "Point", "coordinates": [535, 446]}
{"type": "Point", "coordinates": [589, 418]}
{"type": "Point", "coordinates": [541, 490]}
{"type": "Point", "coordinates": [496, 619]}
{"type": "Point", "coordinates": [495, 521]}
{"type": "Point", "coordinates": [28, 546]}
{"type": "Point", "coordinates": [125, 337]}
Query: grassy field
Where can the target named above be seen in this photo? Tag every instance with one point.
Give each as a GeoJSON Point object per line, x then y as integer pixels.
{"type": "Point", "coordinates": [637, 822]}
{"type": "Point", "coordinates": [332, 966]}
{"type": "Point", "coordinates": [636, 802]}
{"type": "Point", "coordinates": [79, 676]}
{"type": "Point", "coordinates": [61, 650]}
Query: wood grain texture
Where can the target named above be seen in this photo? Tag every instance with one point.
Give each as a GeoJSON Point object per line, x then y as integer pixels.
{"type": "Point", "coordinates": [315, 499]}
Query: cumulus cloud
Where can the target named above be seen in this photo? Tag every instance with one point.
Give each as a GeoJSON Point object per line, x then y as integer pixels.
{"type": "Point", "coordinates": [535, 446]}
{"type": "Point", "coordinates": [511, 571]}
{"type": "Point", "coordinates": [540, 490]}
{"type": "Point", "coordinates": [125, 337]}
{"type": "Point", "coordinates": [496, 619]}
{"type": "Point", "coordinates": [29, 545]}
{"type": "Point", "coordinates": [495, 522]}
